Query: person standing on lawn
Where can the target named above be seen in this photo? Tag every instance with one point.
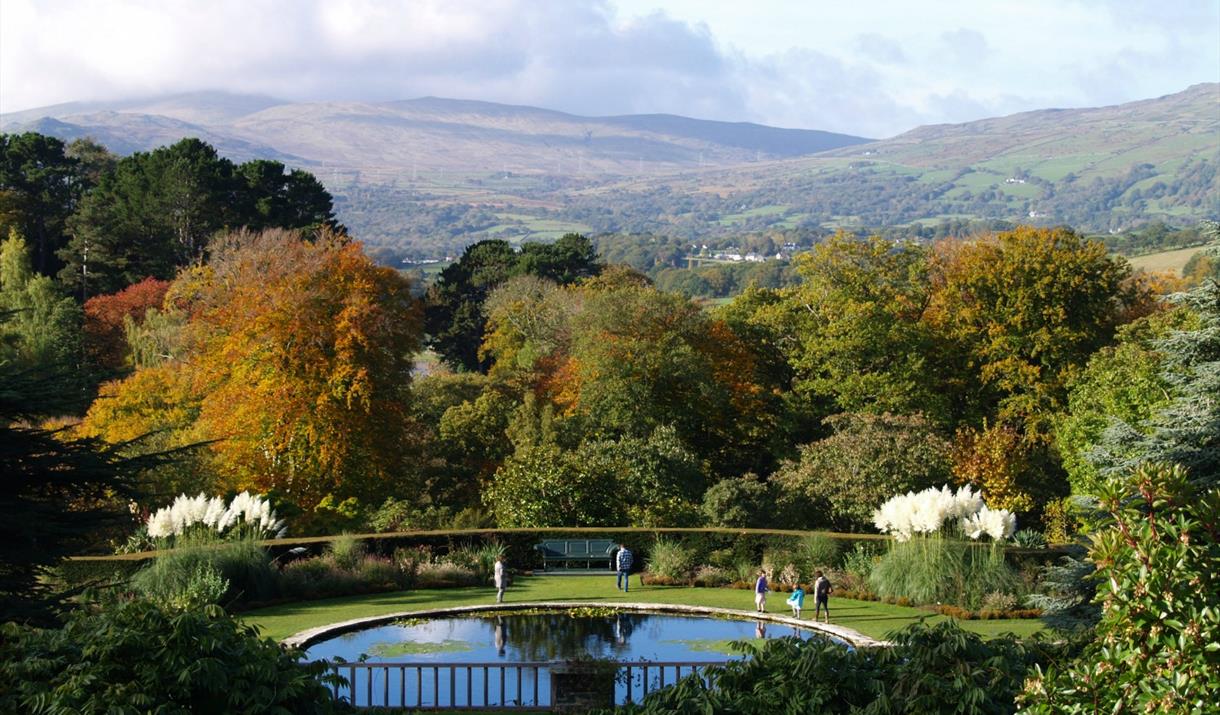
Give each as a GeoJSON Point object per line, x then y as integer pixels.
{"type": "Point", "coordinates": [622, 563]}
{"type": "Point", "coordinates": [760, 592]}
{"type": "Point", "coordinates": [501, 579]}
{"type": "Point", "coordinates": [821, 596]}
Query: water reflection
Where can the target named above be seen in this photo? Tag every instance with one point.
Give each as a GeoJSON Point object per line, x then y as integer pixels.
{"type": "Point", "coordinates": [550, 636]}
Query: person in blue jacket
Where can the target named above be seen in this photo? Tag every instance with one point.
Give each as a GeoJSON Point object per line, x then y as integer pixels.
{"type": "Point", "coordinates": [797, 601]}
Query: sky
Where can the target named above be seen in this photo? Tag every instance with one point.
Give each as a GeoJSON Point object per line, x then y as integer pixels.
{"type": "Point", "coordinates": [873, 68]}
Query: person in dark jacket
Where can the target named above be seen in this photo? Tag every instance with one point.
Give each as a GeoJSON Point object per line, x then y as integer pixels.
{"type": "Point", "coordinates": [622, 563]}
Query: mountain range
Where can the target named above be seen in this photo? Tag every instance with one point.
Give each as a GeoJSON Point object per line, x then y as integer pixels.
{"type": "Point", "coordinates": [427, 176]}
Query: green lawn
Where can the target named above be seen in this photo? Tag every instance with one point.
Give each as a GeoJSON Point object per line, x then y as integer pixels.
{"type": "Point", "coordinates": [870, 618]}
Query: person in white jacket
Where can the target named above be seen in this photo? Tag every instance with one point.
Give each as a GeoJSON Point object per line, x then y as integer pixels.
{"type": "Point", "coordinates": [501, 579]}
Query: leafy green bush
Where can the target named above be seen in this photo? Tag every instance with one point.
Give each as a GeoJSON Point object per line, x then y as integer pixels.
{"type": "Point", "coordinates": [1156, 544]}
{"type": "Point", "coordinates": [671, 560]}
{"type": "Point", "coordinates": [175, 576]}
{"type": "Point", "coordinates": [840, 480]}
{"type": "Point", "coordinates": [790, 675]}
{"type": "Point", "coordinates": [134, 656]}
{"type": "Point", "coordinates": [738, 502]}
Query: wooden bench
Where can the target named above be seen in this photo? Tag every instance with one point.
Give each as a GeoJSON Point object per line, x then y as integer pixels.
{"type": "Point", "coordinates": [566, 552]}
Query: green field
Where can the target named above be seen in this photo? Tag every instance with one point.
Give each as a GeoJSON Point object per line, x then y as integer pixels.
{"type": "Point", "coordinates": [870, 618]}
{"type": "Point", "coordinates": [1172, 261]}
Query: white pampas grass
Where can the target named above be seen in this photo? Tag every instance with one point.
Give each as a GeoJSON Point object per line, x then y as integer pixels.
{"type": "Point", "coordinates": [926, 512]}
{"type": "Point", "coordinates": [246, 510]}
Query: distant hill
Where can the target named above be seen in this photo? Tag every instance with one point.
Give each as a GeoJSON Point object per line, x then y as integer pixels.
{"type": "Point", "coordinates": [1107, 168]}
{"type": "Point", "coordinates": [424, 177]}
{"type": "Point", "coordinates": [391, 141]}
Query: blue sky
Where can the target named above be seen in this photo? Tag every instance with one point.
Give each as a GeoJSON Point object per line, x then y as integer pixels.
{"type": "Point", "coordinates": [874, 68]}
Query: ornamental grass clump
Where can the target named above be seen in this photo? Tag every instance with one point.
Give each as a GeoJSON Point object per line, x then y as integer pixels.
{"type": "Point", "coordinates": [925, 566]}
{"type": "Point", "coordinates": [246, 515]}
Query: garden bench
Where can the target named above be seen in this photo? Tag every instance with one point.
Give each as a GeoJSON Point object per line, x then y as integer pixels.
{"type": "Point", "coordinates": [566, 552]}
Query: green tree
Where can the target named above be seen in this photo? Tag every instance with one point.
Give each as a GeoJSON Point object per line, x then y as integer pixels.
{"type": "Point", "coordinates": [739, 502]}
{"type": "Point", "coordinates": [1121, 383]}
{"type": "Point", "coordinates": [60, 494]}
{"type": "Point", "coordinates": [274, 199]}
{"type": "Point", "coordinates": [839, 481]}
{"type": "Point", "coordinates": [540, 486]}
{"type": "Point", "coordinates": [39, 187]}
{"type": "Point", "coordinates": [42, 326]}
{"type": "Point", "coordinates": [858, 332]}
{"type": "Point", "coordinates": [156, 211]}
{"type": "Point", "coordinates": [455, 317]}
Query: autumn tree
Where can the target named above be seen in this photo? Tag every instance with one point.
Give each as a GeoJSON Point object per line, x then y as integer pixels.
{"type": "Point", "coordinates": [1027, 308]}
{"type": "Point", "coordinates": [297, 362]}
{"type": "Point", "coordinates": [107, 315]}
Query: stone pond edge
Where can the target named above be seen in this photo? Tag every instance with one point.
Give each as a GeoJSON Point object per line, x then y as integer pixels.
{"type": "Point", "coordinates": [304, 639]}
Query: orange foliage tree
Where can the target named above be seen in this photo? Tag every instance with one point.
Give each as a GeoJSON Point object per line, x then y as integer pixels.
{"type": "Point", "coordinates": [297, 362]}
{"type": "Point", "coordinates": [106, 315]}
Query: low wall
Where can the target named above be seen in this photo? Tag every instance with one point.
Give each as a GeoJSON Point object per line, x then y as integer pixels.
{"type": "Point", "coordinates": [308, 637]}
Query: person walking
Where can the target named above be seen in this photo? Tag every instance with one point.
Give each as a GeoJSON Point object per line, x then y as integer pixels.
{"type": "Point", "coordinates": [821, 596]}
{"type": "Point", "coordinates": [622, 563]}
{"type": "Point", "coordinates": [760, 592]}
{"type": "Point", "coordinates": [501, 579]}
{"type": "Point", "coordinates": [797, 601]}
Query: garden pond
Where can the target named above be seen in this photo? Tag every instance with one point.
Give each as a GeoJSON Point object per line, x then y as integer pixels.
{"type": "Point", "coordinates": [507, 659]}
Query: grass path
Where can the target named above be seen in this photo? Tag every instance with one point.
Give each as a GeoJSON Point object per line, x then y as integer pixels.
{"type": "Point", "coordinates": [870, 618]}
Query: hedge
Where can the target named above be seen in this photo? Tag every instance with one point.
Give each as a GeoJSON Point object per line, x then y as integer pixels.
{"type": "Point", "coordinates": [744, 544]}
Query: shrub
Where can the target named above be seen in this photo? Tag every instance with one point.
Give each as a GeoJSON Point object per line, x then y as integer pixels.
{"type": "Point", "coordinates": [135, 656]}
{"type": "Point", "coordinates": [347, 551]}
{"type": "Point", "coordinates": [745, 572]}
{"type": "Point", "coordinates": [479, 559]}
{"type": "Point", "coordinates": [409, 560]}
{"type": "Point", "coordinates": [859, 561]}
{"type": "Point", "coordinates": [445, 574]}
{"type": "Point", "coordinates": [711, 577]}
{"type": "Point", "coordinates": [671, 560]}
{"type": "Point", "coordinates": [868, 459]}
{"type": "Point", "coordinates": [816, 675]}
{"type": "Point", "coordinates": [378, 572]}
{"type": "Point", "coordinates": [203, 587]}
{"type": "Point", "coordinates": [999, 601]}
{"type": "Point", "coordinates": [315, 578]}
{"type": "Point", "coordinates": [1029, 539]}
{"type": "Point", "coordinates": [175, 577]}
{"type": "Point", "coordinates": [1156, 543]}
{"type": "Point", "coordinates": [738, 502]}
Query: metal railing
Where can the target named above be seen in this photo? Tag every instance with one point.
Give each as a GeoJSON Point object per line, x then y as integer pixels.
{"type": "Point", "coordinates": [498, 686]}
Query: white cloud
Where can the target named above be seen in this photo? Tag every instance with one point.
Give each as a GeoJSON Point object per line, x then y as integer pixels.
{"type": "Point", "coordinates": [873, 69]}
